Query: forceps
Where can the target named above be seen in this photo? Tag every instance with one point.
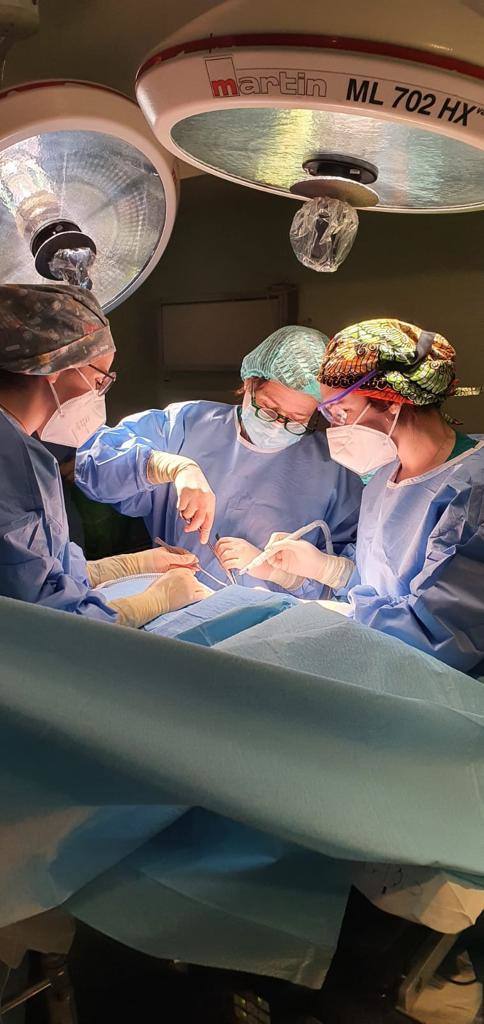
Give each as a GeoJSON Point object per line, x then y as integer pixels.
{"type": "Point", "coordinates": [228, 572]}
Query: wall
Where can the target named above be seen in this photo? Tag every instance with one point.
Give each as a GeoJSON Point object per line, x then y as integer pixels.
{"type": "Point", "coordinates": [230, 241]}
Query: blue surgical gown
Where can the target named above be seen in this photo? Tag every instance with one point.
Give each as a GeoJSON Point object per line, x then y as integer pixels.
{"type": "Point", "coordinates": [37, 561]}
{"type": "Point", "coordinates": [257, 493]}
{"type": "Point", "coordinates": [420, 560]}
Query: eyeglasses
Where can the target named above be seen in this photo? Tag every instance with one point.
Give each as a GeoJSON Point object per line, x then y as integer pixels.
{"type": "Point", "coordinates": [271, 416]}
{"type": "Point", "coordinates": [331, 409]}
{"type": "Point", "coordinates": [107, 379]}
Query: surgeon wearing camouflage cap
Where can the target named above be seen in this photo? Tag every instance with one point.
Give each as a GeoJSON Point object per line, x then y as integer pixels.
{"type": "Point", "coordinates": [56, 352]}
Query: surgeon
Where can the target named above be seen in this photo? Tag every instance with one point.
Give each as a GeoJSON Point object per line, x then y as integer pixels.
{"type": "Point", "coordinates": [419, 572]}
{"type": "Point", "coordinates": [264, 460]}
{"type": "Point", "coordinates": [56, 351]}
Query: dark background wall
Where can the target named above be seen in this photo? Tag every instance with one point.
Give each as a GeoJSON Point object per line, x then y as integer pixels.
{"type": "Point", "coordinates": [233, 241]}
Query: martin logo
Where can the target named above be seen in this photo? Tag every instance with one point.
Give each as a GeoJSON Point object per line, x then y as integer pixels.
{"type": "Point", "coordinates": [226, 81]}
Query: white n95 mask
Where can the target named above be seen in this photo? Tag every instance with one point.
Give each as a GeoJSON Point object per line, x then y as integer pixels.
{"type": "Point", "coordinates": [76, 420]}
{"type": "Point", "coordinates": [362, 449]}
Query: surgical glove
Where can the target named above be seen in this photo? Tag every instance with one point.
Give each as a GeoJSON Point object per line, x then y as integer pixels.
{"type": "Point", "coordinates": [196, 500]}
{"type": "Point", "coordinates": [298, 556]}
{"type": "Point", "coordinates": [235, 553]}
{"type": "Point", "coordinates": [173, 590]}
{"type": "Point", "coordinates": [151, 561]}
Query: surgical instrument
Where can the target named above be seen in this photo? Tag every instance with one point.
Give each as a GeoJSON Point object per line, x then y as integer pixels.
{"type": "Point", "coordinates": [169, 547]}
{"type": "Point", "coordinates": [228, 571]}
{"type": "Point", "coordinates": [260, 559]}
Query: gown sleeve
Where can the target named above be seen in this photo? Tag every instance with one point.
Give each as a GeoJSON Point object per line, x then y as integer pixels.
{"type": "Point", "coordinates": [443, 612]}
{"type": "Point", "coordinates": [112, 466]}
{"type": "Point", "coordinates": [30, 571]}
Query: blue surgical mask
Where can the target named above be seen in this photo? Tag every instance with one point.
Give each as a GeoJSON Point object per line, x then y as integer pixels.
{"type": "Point", "coordinates": [267, 436]}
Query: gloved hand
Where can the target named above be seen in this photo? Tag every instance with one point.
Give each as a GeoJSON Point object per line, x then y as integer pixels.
{"type": "Point", "coordinates": [235, 553]}
{"type": "Point", "coordinates": [196, 500]}
{"type": "Point", "coordinates": [302, 558]}
{"type": "Point", "coordinates": [173, 590]}
{"type": "Point", "coordinates": [154, 560]}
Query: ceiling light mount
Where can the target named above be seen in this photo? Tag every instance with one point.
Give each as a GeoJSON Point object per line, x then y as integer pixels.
{"type": "Point", "coordinates": [87, 195]}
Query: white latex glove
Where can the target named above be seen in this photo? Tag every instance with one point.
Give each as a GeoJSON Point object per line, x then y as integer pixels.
{"type": "Point", "coordinates": [301, 558]}
{"type": "Point", "coordinates": [152, 560]}
{"type": "Point", "coordinates": [235, 553]}
{"type": "Point", "coordinates": [196, 500]}
{"type": "Point", "coordinates": [173, 590]}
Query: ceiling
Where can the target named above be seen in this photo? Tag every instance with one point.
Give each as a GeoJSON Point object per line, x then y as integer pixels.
{"type": "Point", "coordinates": [107, 40]}
{"type": "Point", "coordinates": [101, 41]}
{"type": "Point", "coordinates": [97, 40]}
